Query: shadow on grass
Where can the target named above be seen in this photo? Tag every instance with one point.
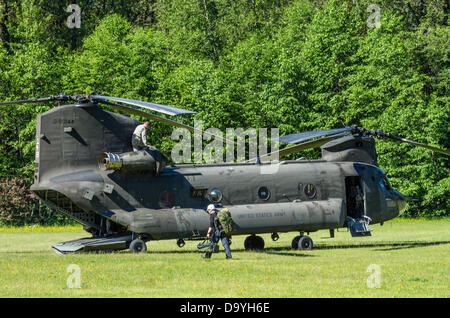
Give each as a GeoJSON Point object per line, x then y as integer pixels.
{"type": "Point", "coordinates": [287, 251]}
{"type": "Point", "coordinates": [382, 246]}
{"type": "Point", "coordinates": [406, 245]}
{"type": "Point", "coordinates": [282, 251]}
{"type": "Point", "coordinates": [292, 254]}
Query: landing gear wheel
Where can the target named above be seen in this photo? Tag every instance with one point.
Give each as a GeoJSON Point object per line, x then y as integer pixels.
{"type": "Point", "coordinates": [254, 242]}
{"type": "Point", "coordinates": [180, 243]}
{"type": "Point", "coordinates": [275, 237]}
{"type": "Point", "coordinates": [259, 243]}
{"type": "Point", "coordinates": [294, 243]}
{"type": "Point", "coordinates": [302, 243]}
{"type": "Point", "coordinates": [305, 243]}
{"type": "Point", "coordinates": [138, 246]}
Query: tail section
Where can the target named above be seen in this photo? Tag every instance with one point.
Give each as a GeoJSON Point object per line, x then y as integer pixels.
{"type": "Point", "coordinates": [69, 140]}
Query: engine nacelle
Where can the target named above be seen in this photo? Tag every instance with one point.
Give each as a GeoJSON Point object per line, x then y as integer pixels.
{"type": "Point", "coordinates": [143, 161]}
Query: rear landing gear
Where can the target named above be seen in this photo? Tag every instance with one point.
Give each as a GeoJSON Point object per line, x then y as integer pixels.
{"type": "Point", "coordinates": [138, 246]}
{"type": "Point", "coordinates": [302, 242]}
{"type": "Point", "coordinates": [254, 242]}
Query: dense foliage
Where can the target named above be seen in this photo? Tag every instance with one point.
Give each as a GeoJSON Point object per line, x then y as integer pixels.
{"type": "Point", "coordinates": [297, 65]}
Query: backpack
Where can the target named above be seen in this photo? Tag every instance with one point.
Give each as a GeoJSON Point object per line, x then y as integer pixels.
{"type": "Point", "coordinates": [225, 220]}
{"type": "Point", "coordinates": [206, 247]}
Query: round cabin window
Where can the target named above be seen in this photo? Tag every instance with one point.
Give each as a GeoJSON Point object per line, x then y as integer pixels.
{"type": "Point", "coordinates": [263, 193]}
{"type": "Point", "coordinates": [310, 191]}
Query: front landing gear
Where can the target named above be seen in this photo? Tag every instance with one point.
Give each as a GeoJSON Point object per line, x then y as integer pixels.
{"type": "Point", "coordinates": [254, 242]}
{"type": "Point", "coordinates": [302, 242]}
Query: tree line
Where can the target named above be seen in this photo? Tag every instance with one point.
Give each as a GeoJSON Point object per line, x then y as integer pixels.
{"type": "Point", "coordinates": [296, 65]}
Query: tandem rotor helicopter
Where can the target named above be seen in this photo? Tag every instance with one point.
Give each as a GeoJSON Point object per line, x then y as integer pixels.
{"type": "Point", "coordinates": [85, 168]}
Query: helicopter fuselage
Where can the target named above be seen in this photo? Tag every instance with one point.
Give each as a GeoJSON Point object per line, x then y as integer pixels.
{"type": "Point", "coordinates": [300, 196]}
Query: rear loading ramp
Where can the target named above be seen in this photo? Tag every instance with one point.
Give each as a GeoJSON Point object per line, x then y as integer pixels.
{"type": "Point", "coordinates": [94, 244]}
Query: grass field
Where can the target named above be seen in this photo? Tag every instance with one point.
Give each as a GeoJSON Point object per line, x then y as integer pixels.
{"type": "Point", "coordinates": [402, 258]}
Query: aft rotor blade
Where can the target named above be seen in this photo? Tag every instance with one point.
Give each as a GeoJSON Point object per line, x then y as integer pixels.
{"type": "Point", "coordinates": [299, 137]}
{"type": "Point", "coordinates": [168, 110]}
{"type": "Point", "coordinates": [170, 122]}
{"type": "Point", "coordinates": [36, 100]}
{"type": "Point", "coordinates": [299, 147]}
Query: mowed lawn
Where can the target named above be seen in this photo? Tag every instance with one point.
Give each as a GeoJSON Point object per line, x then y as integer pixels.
{"type": "Point", "coordinates": [403, 258]}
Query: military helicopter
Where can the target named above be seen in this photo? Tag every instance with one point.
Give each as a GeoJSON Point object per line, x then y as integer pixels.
{"type": "Point", "coordinates": [85, 168]}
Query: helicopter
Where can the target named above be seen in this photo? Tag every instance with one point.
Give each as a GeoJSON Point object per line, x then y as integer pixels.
{"type": "Point", "coordinates": [85, 168]}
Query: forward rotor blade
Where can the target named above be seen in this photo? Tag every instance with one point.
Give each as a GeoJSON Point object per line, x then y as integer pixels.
{"type": "Point", "coordinates": [381, 134]}
{"type": "Point", "coordinates": [170, 122]}
{"type": "Point", "coordinates": [299, 137]}
{"type": "Point", "coordinates": [168, 110]}
{"type": "Point", "coordinates": [418, 144]}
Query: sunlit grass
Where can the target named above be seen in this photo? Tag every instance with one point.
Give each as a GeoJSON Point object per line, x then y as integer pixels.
{"type": "Point", "coordinates": [413, 258]}
{"type": "Point", "coordinates": [39, 228]}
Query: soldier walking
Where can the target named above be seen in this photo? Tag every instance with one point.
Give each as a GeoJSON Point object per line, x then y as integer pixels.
{"type": "Point", "coordinates": [215, 233]}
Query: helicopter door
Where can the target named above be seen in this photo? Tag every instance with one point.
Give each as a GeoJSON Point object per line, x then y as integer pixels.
{"type": "Point", "coordinates": [354, 197]}
{"type": "Point", "coordinates": [357, 221]}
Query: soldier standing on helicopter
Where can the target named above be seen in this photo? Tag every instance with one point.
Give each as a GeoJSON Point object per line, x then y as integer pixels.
{"type": "Point", "coordinates": [139, 137]}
